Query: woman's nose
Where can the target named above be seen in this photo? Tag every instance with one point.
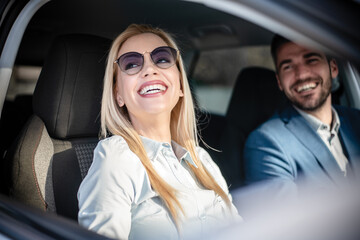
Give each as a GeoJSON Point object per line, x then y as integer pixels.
{"type": "Point", "coordinates": [149, 67]}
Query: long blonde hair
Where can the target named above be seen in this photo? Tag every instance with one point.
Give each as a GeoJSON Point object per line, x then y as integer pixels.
{"type": "Point", "coordinates": [115, 120]}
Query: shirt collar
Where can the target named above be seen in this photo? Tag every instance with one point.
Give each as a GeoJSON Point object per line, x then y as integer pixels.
{"type": "Point", "coordinates": [336, 120]}
{"type": "Point", "coordinates": [182, 154]}
{"type": "Point", "coordinates": [316, 124]}
{"type": "Point", "coordinates": [153, 147]}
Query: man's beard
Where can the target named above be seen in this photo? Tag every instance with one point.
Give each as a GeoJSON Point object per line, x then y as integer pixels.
{"type": "Point", "coordinates": [318, 103]}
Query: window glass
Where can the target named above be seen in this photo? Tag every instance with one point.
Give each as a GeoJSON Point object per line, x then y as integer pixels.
{"type": "Point", "coordinates": [23, 81]}
{"type": "Point", "coordinates": [216, 72]}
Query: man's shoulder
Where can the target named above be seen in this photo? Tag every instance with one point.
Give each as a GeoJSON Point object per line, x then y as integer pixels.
{"type": "Point", "coordinates": [344, 111]}
{"type": "Point", "coordinates": [349, 117]}
{"type": "Point", "coordinates": [275, 122]}
{"type": "Point", "coordinates": [273, 128]}
{"type": "Point", "coordinates": [276, 125]}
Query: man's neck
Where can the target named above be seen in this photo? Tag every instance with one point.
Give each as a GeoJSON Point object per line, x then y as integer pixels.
{"type": "Point", "coordinates": [323, 113]}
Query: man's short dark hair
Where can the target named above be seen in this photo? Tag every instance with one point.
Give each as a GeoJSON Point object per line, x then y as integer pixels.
{"type": "Point", "coordinates": [276, 43]}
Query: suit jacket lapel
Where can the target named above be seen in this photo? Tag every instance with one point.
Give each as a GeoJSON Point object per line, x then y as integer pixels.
{"type": "Point", "coordinates": [312, 141]}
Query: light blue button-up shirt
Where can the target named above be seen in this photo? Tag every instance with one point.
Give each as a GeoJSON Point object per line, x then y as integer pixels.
{"type": "Point", "coordinates": [116, 198]}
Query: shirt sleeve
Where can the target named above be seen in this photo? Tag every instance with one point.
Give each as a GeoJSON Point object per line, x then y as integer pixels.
{"type": "Point", "coordinates": [109, 189]}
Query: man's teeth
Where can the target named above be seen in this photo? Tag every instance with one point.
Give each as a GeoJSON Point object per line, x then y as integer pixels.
{"type": "Point", "coordinates": [152, 89]}
{"type": "Point", "coordinates": [306, 87]}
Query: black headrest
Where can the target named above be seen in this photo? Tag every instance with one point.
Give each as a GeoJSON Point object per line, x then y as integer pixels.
{"type": "Point", "coordinates": [67, 96]}
{"type": "Point", "coordinates": [255, 98]}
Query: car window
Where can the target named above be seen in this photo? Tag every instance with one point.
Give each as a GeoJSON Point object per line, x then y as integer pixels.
{"type": "Point", "coordinates": [214, 77]}
{"type": "Point", "coordinates": [23, 81]}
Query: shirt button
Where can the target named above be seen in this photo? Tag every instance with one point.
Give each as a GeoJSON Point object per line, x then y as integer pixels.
{"type": "Point", "coordinates": [203, 218]}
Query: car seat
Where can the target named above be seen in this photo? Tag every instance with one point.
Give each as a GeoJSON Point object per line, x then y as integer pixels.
{"type": "Point", "coordinates": [255, 98]}
{"type": "Point", "coordinates": [14, 115]}
{"type": "Point", "coordinates": [55, 148]}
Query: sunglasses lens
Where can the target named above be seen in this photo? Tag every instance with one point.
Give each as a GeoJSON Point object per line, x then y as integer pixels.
{"type": "Point", "coordinates": [164, 57]}
{"type": "Point", "coordinates": [131, 63]}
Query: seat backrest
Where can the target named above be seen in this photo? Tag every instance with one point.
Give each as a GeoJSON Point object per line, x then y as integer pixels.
{"type": "Point", "coordinates": [255, 98]}
{"type": "Point", "coordinates": [54, 150]}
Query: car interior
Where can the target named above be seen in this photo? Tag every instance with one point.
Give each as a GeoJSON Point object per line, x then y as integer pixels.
{"type": "Point", "coordinates": [48, 133]}
{"type": "Point", "coordinates": [61, 134]}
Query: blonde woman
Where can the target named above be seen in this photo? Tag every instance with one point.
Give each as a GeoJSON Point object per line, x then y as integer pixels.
{"type": "Point", "coordinates": [149, 178]}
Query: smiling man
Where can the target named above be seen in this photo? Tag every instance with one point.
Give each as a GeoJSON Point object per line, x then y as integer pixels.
{"type": "Point", "coordinates": [310, 141]}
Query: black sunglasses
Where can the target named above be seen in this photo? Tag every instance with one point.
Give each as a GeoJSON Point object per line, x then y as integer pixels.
{"type": "Point", "coordinates": [132, 62]}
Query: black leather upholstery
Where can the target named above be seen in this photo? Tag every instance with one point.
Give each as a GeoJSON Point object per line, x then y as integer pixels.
{"type": "Point", "coordinates": [68, 94]}
{"type": "Point", "coordinates": [255, 98]}
{"type": "Point", "coordinates": [47, 162]}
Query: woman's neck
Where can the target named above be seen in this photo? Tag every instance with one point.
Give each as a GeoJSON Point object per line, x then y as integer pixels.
{"type": "Point", "coordinates": [154, 127]}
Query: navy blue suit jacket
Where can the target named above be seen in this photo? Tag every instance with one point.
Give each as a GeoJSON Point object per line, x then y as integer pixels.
{"type": "Point", "coordinates": [286, 150]}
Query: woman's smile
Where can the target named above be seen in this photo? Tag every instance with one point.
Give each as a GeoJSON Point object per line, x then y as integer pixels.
{"type": "Point", "coordinates": [152, 89]}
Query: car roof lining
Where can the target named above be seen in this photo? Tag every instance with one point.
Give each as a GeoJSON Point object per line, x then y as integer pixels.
{"type": "Point", "coordinates": [195, 25]}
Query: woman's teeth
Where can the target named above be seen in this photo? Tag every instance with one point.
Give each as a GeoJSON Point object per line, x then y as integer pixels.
{"type": "Point", "coordinates": [152, 89]}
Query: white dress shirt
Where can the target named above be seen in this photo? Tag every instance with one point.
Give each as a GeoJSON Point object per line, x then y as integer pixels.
{"type": "Point", "coordinates": [116, 198]}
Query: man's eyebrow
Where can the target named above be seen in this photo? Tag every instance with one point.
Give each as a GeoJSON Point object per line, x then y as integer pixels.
{"type": "Point", "coordinates": [285, 61]}
{"type": "Point", "coordinates": [313, 54]}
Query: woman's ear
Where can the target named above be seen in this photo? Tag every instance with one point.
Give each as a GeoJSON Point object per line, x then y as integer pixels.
{"type": "Point", "coordinates": [181, 94]}
{"type": "Point", "coordinates": [119, 99]}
